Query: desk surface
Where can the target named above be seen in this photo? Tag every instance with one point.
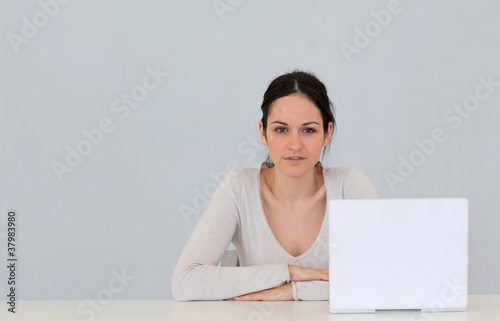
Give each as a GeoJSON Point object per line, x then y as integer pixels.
{"type": "Point", "coordinates": [481, 308]}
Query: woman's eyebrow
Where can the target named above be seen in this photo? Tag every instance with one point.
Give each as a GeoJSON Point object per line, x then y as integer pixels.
{"type": "Point", "coordinates": [279, 122]}
{"type": "Point", "coordinates": [286, 124]}
{"type": "Point", "coordinates": [310, 123]}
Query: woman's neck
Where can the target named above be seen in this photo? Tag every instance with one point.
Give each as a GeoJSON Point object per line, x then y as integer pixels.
{"type": "Point", "coordinates": [293, 191]}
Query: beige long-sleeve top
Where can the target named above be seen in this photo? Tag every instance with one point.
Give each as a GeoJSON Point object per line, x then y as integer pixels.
{"type": "Point", "coordinates": [235, 214]}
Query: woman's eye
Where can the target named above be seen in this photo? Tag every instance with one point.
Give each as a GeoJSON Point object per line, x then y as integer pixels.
{"type": "Point", "coordinates": [280, 129]}
{"type": "Point", "coordinates": [310, 130]}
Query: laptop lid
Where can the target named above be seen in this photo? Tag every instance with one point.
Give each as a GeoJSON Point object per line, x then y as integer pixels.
{"type": "Point", "coordinates": [398, 254]}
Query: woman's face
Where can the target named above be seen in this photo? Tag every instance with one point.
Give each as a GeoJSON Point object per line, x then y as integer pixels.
{"type": "Point", "coordinates": [295, 134]}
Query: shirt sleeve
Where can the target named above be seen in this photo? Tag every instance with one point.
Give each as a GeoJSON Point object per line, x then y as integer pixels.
{"type": "Point", "coordinates": [310, 291]}
{"type": "Point", "coordinates": [197, 276]}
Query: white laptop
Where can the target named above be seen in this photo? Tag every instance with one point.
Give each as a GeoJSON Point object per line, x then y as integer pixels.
{"type": "Point", "coordinates": [398, 254]}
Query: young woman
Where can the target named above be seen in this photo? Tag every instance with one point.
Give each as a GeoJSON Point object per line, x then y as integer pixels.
{"type": "Point", "coordinates": [274, 215]}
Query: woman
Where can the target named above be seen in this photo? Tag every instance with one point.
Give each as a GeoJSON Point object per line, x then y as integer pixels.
{"type": "Point", "coordinates": [274, 215]}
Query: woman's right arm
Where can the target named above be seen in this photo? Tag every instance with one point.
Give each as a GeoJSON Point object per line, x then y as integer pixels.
{"type": "Point", "coordinates": [197, 276]}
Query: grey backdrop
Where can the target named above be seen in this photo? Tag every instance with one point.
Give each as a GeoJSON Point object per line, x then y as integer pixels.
{"type": "Point", "coordinates": [119, 117]}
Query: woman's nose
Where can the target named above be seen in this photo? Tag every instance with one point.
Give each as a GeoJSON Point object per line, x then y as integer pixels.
{"type": "Point", "coordinates": [294, 141]}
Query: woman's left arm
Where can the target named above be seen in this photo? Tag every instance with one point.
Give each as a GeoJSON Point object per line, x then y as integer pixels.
{"type": "Point", "coordinates": [298, 291]}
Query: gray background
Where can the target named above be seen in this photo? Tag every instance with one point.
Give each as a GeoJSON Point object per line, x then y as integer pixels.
{"type": "Point", "coordinates": [121, 209]}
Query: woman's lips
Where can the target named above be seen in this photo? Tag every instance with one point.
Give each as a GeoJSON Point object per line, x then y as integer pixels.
{"type": "Point", "coordinates": [294, 159]}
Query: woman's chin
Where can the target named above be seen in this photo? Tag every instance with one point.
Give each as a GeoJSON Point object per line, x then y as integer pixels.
{"type": "Point", "coordinates": [295, 170]}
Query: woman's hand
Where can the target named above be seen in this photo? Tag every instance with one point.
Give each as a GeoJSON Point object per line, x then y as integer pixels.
{"type": "Point", "coordinates": [302, 273]}
{"type": "Point", "coordinates": [285, 292]}
{"type": "Point", "coordinates": [280, 293]}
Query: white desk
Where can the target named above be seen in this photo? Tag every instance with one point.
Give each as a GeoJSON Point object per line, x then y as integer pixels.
{"type": "Point", "coordinates": [481, 308]}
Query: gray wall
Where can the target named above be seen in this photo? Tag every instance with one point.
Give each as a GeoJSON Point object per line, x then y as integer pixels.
{"type": "Point", "coordinates": [193, 73]}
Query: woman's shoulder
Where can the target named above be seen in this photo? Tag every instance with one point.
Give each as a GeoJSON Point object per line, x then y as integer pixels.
{"type": "Point", "coordinates": [241, 176]}
{"type": "Point", "coordinates": [243, 172]}
{"type": "Point", "coordinates": [342, 172]}
{"type": "Point", "coordinates": [350, 182]}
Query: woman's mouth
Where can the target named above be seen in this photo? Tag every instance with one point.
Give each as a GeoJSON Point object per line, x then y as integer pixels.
{"type": "Point", "coordinates": [294, 159]}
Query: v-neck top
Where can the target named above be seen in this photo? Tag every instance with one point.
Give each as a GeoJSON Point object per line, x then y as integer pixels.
{"type": "Point", "coordinates": [235, 214]}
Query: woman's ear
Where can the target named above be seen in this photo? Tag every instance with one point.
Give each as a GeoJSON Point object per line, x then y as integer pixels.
{"type": "Point", "coordinates": [263, 137]}
{"type": "Point", "coordinates": [328, 134]}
